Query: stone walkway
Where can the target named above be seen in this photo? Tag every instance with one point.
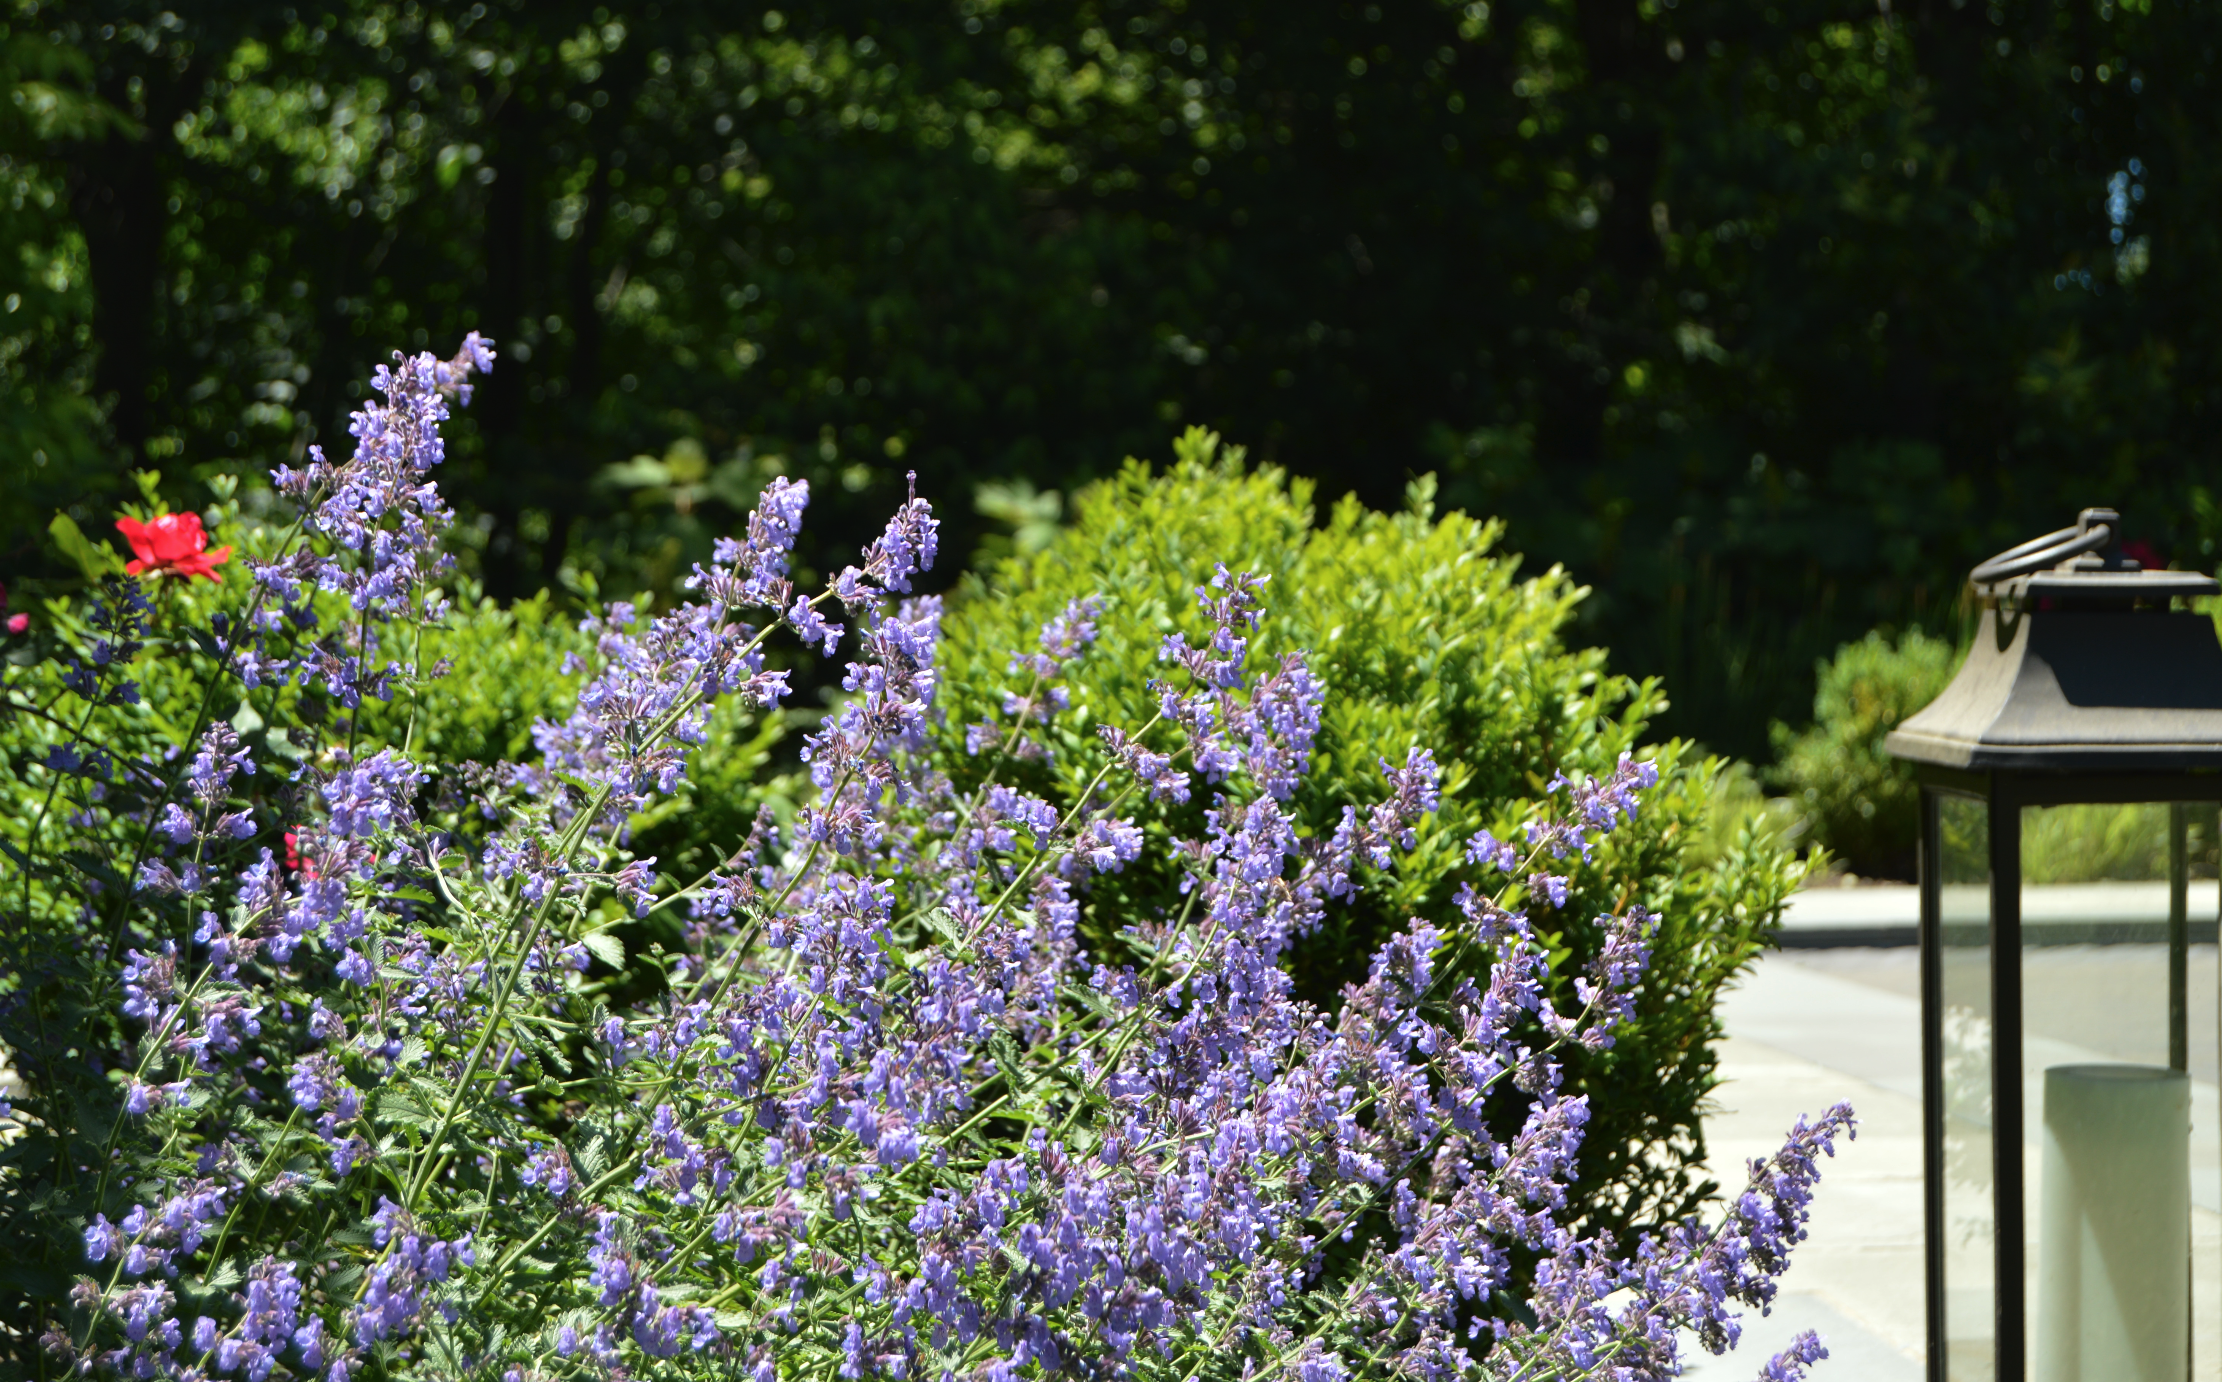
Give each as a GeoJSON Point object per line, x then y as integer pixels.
{"type": "Point", "coordinates": [1810, 1027]}
{"type": "Point", "coordinates": [1800, 1039]}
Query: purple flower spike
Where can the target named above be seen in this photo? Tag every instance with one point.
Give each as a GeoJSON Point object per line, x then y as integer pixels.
{"type": "Point", "coordinates": [909, 1087]}
{"type": "Point", "coordinates": [907, 547]}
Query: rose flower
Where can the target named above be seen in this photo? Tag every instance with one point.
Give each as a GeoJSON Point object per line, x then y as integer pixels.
{"type": "Point", "coordinates": [174, 544]}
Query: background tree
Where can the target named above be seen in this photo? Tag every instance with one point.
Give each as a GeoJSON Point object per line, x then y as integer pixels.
{"type": "Point", "coordinates": [1766, 316]}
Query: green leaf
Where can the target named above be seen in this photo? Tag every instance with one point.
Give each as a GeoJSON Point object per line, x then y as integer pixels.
{"type": "Point", "coordinates": [95, 867]}
{"type": "Point", "coordinates": [553, 1055]}
{"type": "Point", "coordinates": [605, 947]}
{"type": "Point", "coordinates": [941, 923]}
{"type": "Point", "coordinates": [1008, 1059]}
{"type": "Point", "coordinates": [638, 473]}
{"type": "Point", "coordinates": [226, 1275]}
{"type": "Point", "coordinates": [93, 558]}
{"type": "Point", "coordinates": [394, 1106]}
{"type": "Point", "coordinates": [593, 1156]}
{"type": "Point", "coordinates": [448, 165]}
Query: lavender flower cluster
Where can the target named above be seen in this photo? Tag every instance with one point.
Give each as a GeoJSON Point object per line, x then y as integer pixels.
{"type": "Point", "coordinates": [886, 1117]}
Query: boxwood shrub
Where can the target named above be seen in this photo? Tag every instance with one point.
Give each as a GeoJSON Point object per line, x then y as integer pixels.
{"type": "Point", "coordinates": [1426, 633]}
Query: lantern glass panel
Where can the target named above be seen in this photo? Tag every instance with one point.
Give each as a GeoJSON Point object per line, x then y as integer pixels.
{"type": "Point", "coordinates": [2121, 1167]}
{"type": "Point", "coordinates": [1970, 1216]}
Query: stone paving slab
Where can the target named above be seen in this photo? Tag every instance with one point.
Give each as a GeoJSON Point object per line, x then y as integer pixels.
{"type": "Point", "coordinates": [1857, 1280]}
{"type": "Point", "coordinates": [1855, 1354]}
{"type": "Point", "coordinates": [1808, 1028]}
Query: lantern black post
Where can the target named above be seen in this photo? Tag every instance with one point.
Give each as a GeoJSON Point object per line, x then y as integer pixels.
{"type": "Point", "coordinates": [1930, 864]}
{"type": "Point", "coordinates": [2006, 1151]}
{"type": "Point", "coordinates": [2085, 686]}
{"type": "Point", "coordinates": [2179, 926]}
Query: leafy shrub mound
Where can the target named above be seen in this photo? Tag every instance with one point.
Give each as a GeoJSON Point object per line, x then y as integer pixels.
{"type": "Point", "coordinates": [1857, 800]}
{"type": "Point", "coordinates": [334, 1064]}
{"type": "Point", "coordinates": [1420, 632]}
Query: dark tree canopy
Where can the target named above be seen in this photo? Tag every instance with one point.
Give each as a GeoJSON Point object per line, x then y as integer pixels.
{"type": "Point", "coordinates": [1766, 317]}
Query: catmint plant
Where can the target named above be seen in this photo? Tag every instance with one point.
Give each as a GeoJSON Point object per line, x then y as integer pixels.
{"type": "Point", "coordinates": [374, 1104]}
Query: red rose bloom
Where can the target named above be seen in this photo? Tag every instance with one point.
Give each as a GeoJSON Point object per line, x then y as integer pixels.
{"type": "Point", "coordinates": [175, 543]}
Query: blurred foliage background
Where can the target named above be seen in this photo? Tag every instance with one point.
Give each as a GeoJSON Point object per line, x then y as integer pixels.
{"type": "Point", "coordinates": [1765, 318]}
{"type": "Point", "coordinates": [1851, 794]}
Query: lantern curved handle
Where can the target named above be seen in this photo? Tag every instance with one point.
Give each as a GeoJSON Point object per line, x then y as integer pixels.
{"type": "Point", "coordinates": [2041, 552]}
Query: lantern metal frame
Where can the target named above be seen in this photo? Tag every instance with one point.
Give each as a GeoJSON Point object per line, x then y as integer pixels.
{"type": "Point", "coordinates": [2005, 794]}
{"type": "Point", "coordinates": [2082, 686]}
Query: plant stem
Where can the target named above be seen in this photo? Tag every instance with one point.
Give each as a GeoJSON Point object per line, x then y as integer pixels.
{"type": "Point", "coordinates": [216, 1254]}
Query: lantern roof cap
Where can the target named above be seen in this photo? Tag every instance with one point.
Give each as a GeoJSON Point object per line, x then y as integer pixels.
{"type": "Point", "coordinates": [2079, 664]}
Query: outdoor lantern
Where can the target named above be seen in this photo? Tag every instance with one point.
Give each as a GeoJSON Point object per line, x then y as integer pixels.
{"type": "Point", "coordinates": [2070, 1037]}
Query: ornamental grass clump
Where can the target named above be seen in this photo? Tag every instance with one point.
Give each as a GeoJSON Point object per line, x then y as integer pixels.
{"type": "Point", "coordinates": [367, 1103]}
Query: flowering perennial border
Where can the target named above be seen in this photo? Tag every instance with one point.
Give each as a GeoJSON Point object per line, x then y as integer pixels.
{"type": "Point", "coordinates": [883, 1116]}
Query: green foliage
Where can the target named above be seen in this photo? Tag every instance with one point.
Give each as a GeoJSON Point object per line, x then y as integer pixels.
{"type": "Point", "coordinates": [51, 432]}
{"type": "Point", "coordinates": [502, 670]}
{"type": "Point", "coordinates": [1785, 315]}
{"type": "Point", "coordinates": [1740, 802]}
{"type": "Point", "coordinates": [1856, 799]}
{"type": "Point", "coordinates": [2102, 842]}
{"type": "Point", "coordinates": [705, 821]}
{"type": "Point", "coordinates": [505, 670]}
{"type": "Point", "coordinates": [503, 667]}
{"type": "Point", "coordinates": [1424, 634]}
{"type": "Point", "coordinates": [420, 1082]}
{"type": "Point", "coordinates": [1030, 516]}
